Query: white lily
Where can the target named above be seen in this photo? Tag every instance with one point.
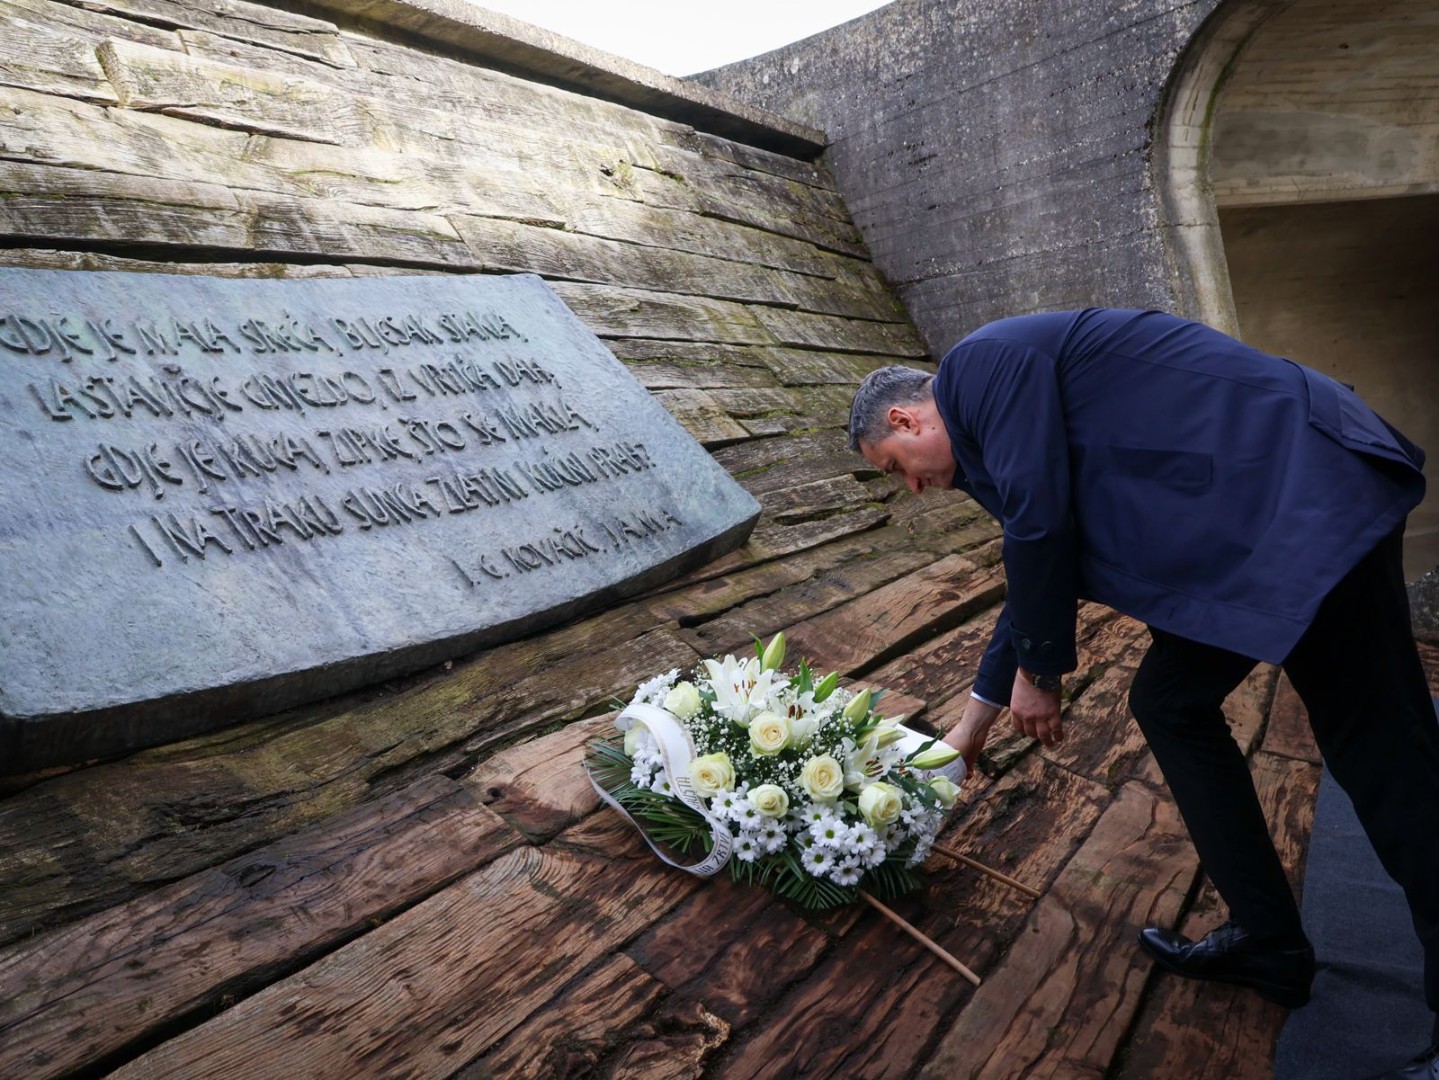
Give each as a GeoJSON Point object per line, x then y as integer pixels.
{"type": "Point", "coordinates": [740, 688]}
{"type": "Point", "coordinates": [937, 756]}
{"type": "Point", "coordinates": [864, 762]}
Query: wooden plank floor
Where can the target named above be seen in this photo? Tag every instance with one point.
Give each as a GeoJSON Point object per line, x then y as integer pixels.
{"type": "Point", "coordinates": [503, 923]}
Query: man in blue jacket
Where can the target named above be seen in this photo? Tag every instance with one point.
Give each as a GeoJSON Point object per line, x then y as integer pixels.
{"type": "Point", "coordinates": [1245, 508]}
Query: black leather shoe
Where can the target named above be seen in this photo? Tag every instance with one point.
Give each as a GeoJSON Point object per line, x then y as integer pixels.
{"type": "Point", "coordinates": [1424, 1067]}
{"type": "Point", "coordinates": [1229, 955]}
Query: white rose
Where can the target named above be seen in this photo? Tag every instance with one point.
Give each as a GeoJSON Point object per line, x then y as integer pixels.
{"type": "Point", "coordinates": [683, 700]}
{"type": "Point", "coordinates": [770, 800]}
{"type": "Point", "coordinates": [711, 774]}
{"type": "Point", "coordinates": [943, 787]}
{"type": "Point", "coordinates": [769, 733]}
{"type": "Point", "coordinates": [632, 738]}
{"type": "Point", "coordinates": [880, 804]}
{"type": "Point", "coordinates": [822, 778]}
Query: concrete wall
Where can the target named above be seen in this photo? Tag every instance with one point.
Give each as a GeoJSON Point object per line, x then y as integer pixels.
{"type": "Point", "coordinates": [1331, 100]}
{"type": "Point", "coordinates": [1007, 156]}
{"type": "Point", "coordinates": [996, 155]}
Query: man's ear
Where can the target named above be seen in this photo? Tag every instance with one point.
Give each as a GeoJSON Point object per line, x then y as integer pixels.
{"type": "Point", "coordinates": [902, 420]}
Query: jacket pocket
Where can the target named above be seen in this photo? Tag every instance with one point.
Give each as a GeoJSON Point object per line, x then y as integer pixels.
{"type": "Point", "coordinates": [1342, 415]}
{"type": "Point", "coordinates": [1178, 470]}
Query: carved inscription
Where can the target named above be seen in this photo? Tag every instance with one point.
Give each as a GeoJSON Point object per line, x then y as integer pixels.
{"type": "Point", "coordinates": [303, 485]}
{"type": "Point", "coordinates": [367, 416]}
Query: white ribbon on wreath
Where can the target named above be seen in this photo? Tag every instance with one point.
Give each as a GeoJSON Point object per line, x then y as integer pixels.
{"type": "Point", "coordinates": [677, 750]}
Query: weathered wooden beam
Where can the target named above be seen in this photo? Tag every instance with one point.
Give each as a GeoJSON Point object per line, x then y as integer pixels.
{"type": "Point", "coordinates": [826, 332]}
{"type": "Point", "coordinates": [49, 205]}
{"type": "Point", "coordinates": [258, 24]}
{"type": "Point", "coordinates": [498, 40]}
{"type": "Point", "coordinates": [166, 80]}
{"type": "Point", "coordinates": [768, 464]}
{"type": "Point", "coordinates": [872, 629]}
{"type": "Point", "coordinates": [464, 967]}
{"type": "Point", "coordinates": [541, 786]}
{"type": "Point", "coordinates": [706, 949]}
{"type": "Point", "coordinates": [700, 415]}
{"type": "Point", "coordinates": [85, 993]}
{"type": "Point", "coordinates": [700, 597]}
{"type": "Point", "coordinates": [816, 499]}
{"type": "Point", "coordinates": [671, 190]}
{"type": "Point", "coordinates": [681, 230]}
{"type": "Point", "coordinates": [84, 841]}
{"type": "Point", "coordinates": [569, 256]}
{"type": "Point", "coordinates": [50, 48]}
{"type": "Point", "coordinates": [683, 365]}
{"type": "Point", "coordinates": [1210, 1031]}
{"type": "Point", "coordinates": [570, 1035]}
{"type": "Point", "coordinates": [1289, 732]}
{"type": "Point", "coordinates": [1039, 1008]}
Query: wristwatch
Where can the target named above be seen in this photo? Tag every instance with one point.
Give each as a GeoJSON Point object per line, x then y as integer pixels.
{"type": "Point", "coordinates": [1045, 682]}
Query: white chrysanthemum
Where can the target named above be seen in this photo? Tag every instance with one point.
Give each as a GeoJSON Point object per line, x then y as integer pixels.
{"type": "Point", "coordinates": [816, 860]}
{"type": "Point", "coordinates": [653, 691]}
{"type": "Point", "coordinates": [725, 804]}
{"type": "Point", "coordinates": [856, 839]}
{"type": "Point", "coordinates": [921, 851]}
{"type": "Point", "coordinates": [829, 832]}
{"type": "Point", "coordinates": [747, 815]}
{"type": "Point", "coordinates": [814, 812]}
{"type": "Point", "coordinates": [772, 836]}
{"type": "Point", "coordinates": [846, 873]}
{"type": "Point", "coordinates": [747, 847]}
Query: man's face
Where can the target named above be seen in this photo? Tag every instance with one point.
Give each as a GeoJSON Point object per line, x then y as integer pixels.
{"type": "Point", "coordinates": [916, 450]}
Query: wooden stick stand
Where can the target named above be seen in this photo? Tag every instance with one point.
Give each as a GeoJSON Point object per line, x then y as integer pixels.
{"type": "Point", "coordinates": [920, 937]}
{"type": "Point", "coordinates": [1033, 894]}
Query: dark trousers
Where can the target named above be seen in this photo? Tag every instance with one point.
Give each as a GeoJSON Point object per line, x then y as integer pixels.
{"type": "Point", "coordinates": [1359, 675]}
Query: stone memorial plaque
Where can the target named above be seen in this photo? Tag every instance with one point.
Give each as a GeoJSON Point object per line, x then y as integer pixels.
{"type": "Point", "coordinates": [220, 498]}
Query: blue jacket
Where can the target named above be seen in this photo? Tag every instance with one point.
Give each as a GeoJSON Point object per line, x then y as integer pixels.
{"type": "Point", "coordinates": [1167, 470]}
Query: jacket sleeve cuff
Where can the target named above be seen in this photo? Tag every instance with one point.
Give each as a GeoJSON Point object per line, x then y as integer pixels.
{"type": "Point", "coordinates": [994, 681]}
{"type": "Point", "coordinates": [1042, 657]}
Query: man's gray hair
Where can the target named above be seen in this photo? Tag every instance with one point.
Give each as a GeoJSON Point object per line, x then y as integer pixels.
{"type": "Point", "coordinates": [882, 389]}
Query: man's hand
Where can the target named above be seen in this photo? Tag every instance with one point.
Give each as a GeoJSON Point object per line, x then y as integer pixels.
{"type": "Point", "coordinates": [1036, 712]}
{"type": "Point", "coordinates": [969, 734]}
